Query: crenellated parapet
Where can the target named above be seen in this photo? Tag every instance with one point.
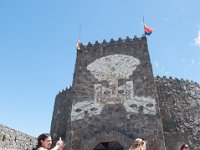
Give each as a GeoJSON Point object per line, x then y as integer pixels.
{"type": "Point", "coordinates": [63, 91]}
{"type": "Point", "coordinates": [118, 42]}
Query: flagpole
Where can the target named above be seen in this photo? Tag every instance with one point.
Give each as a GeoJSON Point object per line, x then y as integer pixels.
{"type": "Point", "coordinates": [78, 45]}
{"type": "Point", "coordinates": [143, 19]}
{"type": "Point", "coordinates": [143, 23]}
{"type": "Point", "coordinates": [79, 32]}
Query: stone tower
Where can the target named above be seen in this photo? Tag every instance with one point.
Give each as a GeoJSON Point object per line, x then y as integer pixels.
{"type": "Point", "coordinates": [112, 101]}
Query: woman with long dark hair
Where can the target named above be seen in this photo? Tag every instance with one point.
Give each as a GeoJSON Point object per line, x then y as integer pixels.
{"type": "Point", "coordinates": [45, 141]}
{"type": "Point", "coordinates": [184, 147]}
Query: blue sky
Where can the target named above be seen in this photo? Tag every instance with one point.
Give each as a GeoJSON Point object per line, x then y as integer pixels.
{"type": "Point", "coordinates": [38, 47]}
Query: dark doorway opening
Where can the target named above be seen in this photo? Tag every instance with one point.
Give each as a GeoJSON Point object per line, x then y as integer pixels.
{"type": "Point", "coordinates": [109, 146]}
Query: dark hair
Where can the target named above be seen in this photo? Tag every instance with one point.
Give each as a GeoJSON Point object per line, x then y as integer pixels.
{"type": "Point", "coordinates": [183, 146]}
{"type": "Point", "coordinates": [42, 137]}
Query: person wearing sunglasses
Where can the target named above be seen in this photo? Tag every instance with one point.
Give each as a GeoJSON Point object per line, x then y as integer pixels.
{"type": "Point", "coordinates": [184, 147]}
{"type": "Point", "coordinates": [138, 144]}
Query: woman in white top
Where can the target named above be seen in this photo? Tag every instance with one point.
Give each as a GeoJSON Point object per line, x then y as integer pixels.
{"type": "Point", "coordinates": [45, 141]}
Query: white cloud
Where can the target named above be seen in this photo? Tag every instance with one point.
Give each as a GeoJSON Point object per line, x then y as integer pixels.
{"type": "Point", "coordinates": [197, 40]}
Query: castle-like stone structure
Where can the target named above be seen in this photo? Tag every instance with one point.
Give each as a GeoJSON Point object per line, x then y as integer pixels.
{"type": "Point", "coordinates": [11, 139]}
{"type": "Point", "coordinates": [115, 98]}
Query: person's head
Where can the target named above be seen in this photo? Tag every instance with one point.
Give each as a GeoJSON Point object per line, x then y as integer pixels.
{"type": "Point", "coordinates": [184, 147]}
{"type": "Point", "coordinates": [44, 140]}
{"type": "Point", "coordinates": [138, 144]}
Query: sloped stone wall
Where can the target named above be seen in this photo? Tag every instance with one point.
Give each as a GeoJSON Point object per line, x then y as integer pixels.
{"type": "Point", "coordinates": [179, 102]}
{"type": "Point", "coordinates": [11, 139]}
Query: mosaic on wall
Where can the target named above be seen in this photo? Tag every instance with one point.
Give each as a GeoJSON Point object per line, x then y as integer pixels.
{"type": "Point", "coordinates": [110, 69]}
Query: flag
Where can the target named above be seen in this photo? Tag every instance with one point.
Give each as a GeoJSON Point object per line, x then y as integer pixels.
{"type": "Point", "coordinates": [147, 30]}
{"type": "Point", "coordinates": [78, 45]}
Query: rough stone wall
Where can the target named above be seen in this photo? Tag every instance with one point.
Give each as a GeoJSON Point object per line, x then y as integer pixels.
{"type": "Point", "coordinates": [11, 139]}
{"type": "Point", "coordinates": [113, 97]}
{"type": "Point", "coordinates": [179, 102]}
{"type": "Point", "coordinates": [61, 126]}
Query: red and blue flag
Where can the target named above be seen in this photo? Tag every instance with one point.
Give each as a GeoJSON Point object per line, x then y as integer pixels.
{"type": "Point", "coordinates": [147, 30]}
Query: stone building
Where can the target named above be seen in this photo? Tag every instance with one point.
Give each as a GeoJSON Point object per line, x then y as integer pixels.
{"type": "Point", "coordinates": [114, 98]}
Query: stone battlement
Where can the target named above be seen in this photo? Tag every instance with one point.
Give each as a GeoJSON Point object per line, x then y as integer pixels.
{"type": "Point", "coordinates": [84, 48]}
